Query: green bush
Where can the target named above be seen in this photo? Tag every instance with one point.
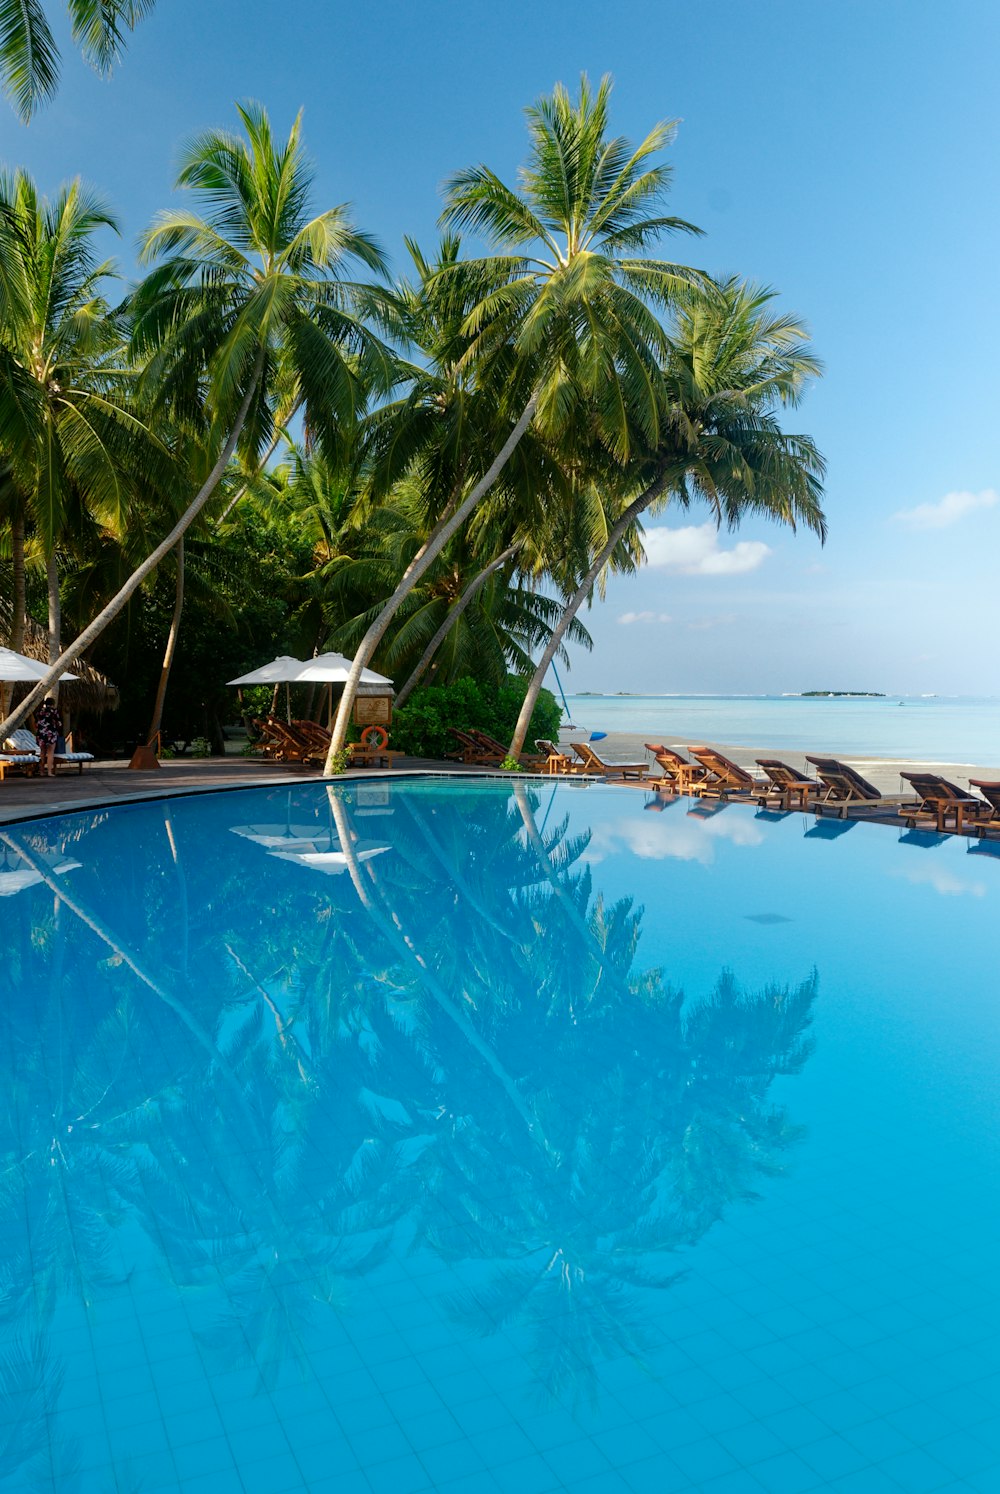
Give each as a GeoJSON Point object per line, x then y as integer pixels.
{"type": "Point", "coordinates": [420, 729]}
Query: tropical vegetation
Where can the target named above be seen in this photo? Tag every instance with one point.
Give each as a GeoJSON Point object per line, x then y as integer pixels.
{"type": "Point", "coordinates": [268, 444]}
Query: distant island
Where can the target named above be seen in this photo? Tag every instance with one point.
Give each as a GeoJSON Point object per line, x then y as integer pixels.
{"type": "Point", "coordinates": [851, 694]}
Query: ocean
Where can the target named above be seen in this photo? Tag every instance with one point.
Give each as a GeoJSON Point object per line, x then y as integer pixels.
{"type": "Point", "coordinates": [939, 728]}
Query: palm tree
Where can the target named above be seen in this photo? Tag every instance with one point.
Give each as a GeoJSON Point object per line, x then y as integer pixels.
{"type": "Point", "coordinates": [72, 437]}
{"type": "Point", "coordinates": [563, 312]}
{"type": "Point", "coordinates": [732, 367]}
{"type": "Point", "coordinates": [246, 305]}
{"type": "Point", "coordinates": [29, 56]}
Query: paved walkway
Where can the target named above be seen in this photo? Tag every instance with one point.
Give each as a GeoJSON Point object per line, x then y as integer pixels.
{"type": "Point", "coordinates": [106, 782]}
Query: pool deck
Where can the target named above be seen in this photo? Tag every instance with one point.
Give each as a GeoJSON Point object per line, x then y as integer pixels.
{"type": "Point", "coordinates": [112, 781]}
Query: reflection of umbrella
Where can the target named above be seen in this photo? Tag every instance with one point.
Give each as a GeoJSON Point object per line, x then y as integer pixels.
{"type": "Point", "coordinates": [331, 862]}
{"type": "Point", "coordinates": [287, 837]}
{"type": "Point", "coordinates": [284, 670]}
{"type": "Point", "coordinates": [18, 668]}
{"type": "Point", "coordinates": [14, 878]}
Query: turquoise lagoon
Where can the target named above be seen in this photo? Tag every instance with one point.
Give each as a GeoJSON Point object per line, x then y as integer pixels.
{"type": "Point", "coordinates": [935, 728]}
{"type": "Point", "coordinates": [468, 1136]}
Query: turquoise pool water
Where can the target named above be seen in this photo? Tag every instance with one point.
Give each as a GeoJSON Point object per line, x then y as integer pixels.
{"type": "Point", "coordinates": [448, 1136]}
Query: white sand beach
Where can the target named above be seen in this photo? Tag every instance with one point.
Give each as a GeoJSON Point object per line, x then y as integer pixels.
{"type": "Point", "coordinates": [883, 772]}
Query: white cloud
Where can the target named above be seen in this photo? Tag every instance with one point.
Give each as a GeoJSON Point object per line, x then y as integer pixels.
{"type": "Point", "coordinates": [627, 618]}
{"type": "Point", "coordinates": [672, 837]}
{"type": "Point", "coordinates": [695, 551]}
{"type": "Point", "coordinates": [943, 881]}
{"type": "Point", "coordinates": [951, 508]}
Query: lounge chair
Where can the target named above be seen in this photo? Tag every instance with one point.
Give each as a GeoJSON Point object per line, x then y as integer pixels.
{"type": "Point", "coordinates": [472, 752]}
{"type": "Point", "coordinates": [594, 764]}
{"type": "Point", "coordinates": [792, 788]}
{"type": "Point", "coordinates": [943, 801]}
{"type": "Point", "coordinates": [990, 791]}
{"type": "Point", "coordinates": [679, 776]}
{"type": "Point", "coordinates": [556, 760]}
{"type": "Point", "coordinates": [283, 742]}
{"type": "Point", "coordinates": [17, 762]}
{"type": "Point", "coordinates": [497, 749]}
{"type": "Point", "coordinates": [727, 780]}
{"type": "Point", "coordinates": [845, 790]}
{"type": "Point", "coordinates": [24, 742]}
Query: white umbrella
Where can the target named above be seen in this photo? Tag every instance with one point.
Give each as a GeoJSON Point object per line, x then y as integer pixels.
{"type": "Point", "coordinates": [19, 669]}
{"type": "Point", "coordinates": [284, 670]}
{"type": "Point", "coordinates": [333, 669]}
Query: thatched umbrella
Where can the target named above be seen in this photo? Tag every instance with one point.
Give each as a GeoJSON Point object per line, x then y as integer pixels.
{"type": "Point", "coordinates": [91, 691]}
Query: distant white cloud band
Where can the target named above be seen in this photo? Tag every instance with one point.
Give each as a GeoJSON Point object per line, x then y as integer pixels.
{"type": "Point", "coordinates": [951, 508]}
{"type": "Point", "coordinates": [627, 618]}
{"type": "Point", "coordinates": [695, 551]}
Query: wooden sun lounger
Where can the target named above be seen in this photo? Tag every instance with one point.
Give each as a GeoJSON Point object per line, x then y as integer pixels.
{"type": "Point", "coordinates": [845, 790]}
{"type": "Point", "coordinates": [472, 752]}
{"type": "Point", "coordinates": [726, 779]}
{"type": "Point", "coordinates": [990, 790]}
{"type": "Point", "coordinates": [17, 762]}
{"type": "Point", "coordinates": [943, 801]}
{"type": "Point", "coordinates": [679, 776]}
{"type": "Point", "coordinates": [792, 788]}
{"type": "Point", "coordinates": [594, 764]}
{"type": "Point", "coordinates": [24, 743]}
{"type": "Point", "coordinates": [556, 761]}
{"type": "Point", "coordinates": [498, 751]}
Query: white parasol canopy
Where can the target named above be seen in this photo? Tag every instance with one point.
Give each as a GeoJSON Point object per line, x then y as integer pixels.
{"type": "Point", "coordinates": [19, 669]}
{"type": "Point", "coordinates": [333, 669]}
{"type": "Point", "coordinates": [284, 670]}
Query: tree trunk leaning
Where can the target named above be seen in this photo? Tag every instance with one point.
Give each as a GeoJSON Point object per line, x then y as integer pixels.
{"type": "Point", "coordinates": [171, 647]}
{"type": "Point", "coordinates": [55, 615]}
{"type": "Point", "coordinates": [413, 573]}
{"type": "Point", "coordinates": [17, 626]}
{"type": "Point", "coordinates": [572, 608]}
{"type": "Point", "coordinates": [452, 617]}
{"type": "Point", "coordinates": [19, 600]}
{"type": "Point", "coordinates": [94, 629]}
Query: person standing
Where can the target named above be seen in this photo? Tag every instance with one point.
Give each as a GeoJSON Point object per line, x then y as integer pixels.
{"type": "Point", "coordinates": [48, 729]}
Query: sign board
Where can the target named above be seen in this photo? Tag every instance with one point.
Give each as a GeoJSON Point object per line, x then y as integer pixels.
{"type": "Point", "coordinates": [372, 710]}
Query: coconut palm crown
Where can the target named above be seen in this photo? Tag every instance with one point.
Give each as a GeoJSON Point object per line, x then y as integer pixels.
{"type": "Point", "coordinates": [29, 55]}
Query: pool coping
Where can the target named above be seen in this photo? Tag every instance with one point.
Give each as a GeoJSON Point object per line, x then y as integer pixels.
{"type": "Point", "coordinates": [359, 775]}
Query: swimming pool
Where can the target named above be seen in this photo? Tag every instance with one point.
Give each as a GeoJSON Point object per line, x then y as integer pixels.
{"type": "Point", "coordinates": [447, 1135]}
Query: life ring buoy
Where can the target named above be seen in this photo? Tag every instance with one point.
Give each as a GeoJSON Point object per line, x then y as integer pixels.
{"type": "Point", "coordinates": [375, 737]}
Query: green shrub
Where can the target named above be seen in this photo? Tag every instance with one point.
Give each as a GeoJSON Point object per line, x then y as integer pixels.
{"type": "Point", "coordinates": [420, 728]}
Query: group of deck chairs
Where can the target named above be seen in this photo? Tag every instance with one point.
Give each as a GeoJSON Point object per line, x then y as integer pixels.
{"type": "Point", "coordinates": [22, 754]}
{"type": "Point", "coordinates": [836, 789]}
{"type": "Point", "coordinates": [308, 743]}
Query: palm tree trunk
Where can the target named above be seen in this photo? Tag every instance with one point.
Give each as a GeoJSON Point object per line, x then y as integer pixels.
{"type": "Point", "coordinates": [171, 648]}
{"type": "Point", "coordinates": [55, 614]}
{"type": "Point", "coordinates": [20, 602]}
{"type": "Point", "coordinates": [452, 617]}
{"type": "Point", "coordinates": [573, 606]}
{"type": "Point", "coordinates": [94, 629]}
{"type": "Point", "coordinates": [417, 568]}
{"type": "Point", "coordinates": [17, 625]}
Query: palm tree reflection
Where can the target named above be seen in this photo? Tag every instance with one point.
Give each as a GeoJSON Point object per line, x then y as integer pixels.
{"type": "Point", "coordinates": [450, 1048]}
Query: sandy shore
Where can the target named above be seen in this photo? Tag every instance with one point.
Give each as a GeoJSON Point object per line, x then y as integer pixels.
{"type": "Point", "coordinates": [883, 772]}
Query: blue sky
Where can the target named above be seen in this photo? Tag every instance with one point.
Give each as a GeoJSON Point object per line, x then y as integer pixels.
{"type": "Point", "coordinates": [845, 153]}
